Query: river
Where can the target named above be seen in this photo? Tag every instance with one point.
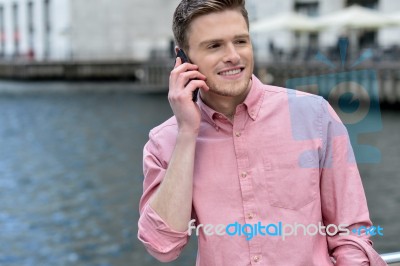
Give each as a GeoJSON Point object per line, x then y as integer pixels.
{"type": "Point", "coordinates": [71, 174]}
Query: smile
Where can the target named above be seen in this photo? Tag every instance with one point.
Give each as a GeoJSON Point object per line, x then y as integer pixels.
{"type": "Point", "coordinates": [231, 72]}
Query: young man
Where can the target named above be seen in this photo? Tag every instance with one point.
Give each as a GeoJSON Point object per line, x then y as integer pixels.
{"type": "Point", "coordinates": [245, 155]}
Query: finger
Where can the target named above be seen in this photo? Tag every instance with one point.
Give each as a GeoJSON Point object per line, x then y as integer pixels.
{"type": "Point", "coordinates": [194, 84]}
{"type": "Point", "coordinates": [192, 75]}
{"type": "Point", "coordinates": [178, 61]}
{"type": "Point", "coordinates": [184, 67]}
{"type": "Point", "coordinates": [185, 77]}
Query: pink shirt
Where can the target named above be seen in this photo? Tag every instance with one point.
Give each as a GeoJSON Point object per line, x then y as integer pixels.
{"type": "Point", "coordinates": [285, 158]}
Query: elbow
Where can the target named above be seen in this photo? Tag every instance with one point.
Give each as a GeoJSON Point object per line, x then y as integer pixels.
{"type": "Point", "coordinates": [163, 253]}
{"type": "Point", "coordinates": [163, 256]}
{"type": "Point", "coordinates": [160, 240]}
{"type": "Point", "coordinates": [164, 250]}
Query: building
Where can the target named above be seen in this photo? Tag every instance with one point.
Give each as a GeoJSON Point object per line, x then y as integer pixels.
{"type": "Point", "coordinates": [139, 30]}
{"type": "Point", "coordinates": [287, 41]}
{"type": "Point", "coordinates": [84, 30]}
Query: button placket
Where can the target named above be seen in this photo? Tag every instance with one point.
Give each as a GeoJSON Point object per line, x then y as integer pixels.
{"type": "Point", "coordinates": [245, 180]}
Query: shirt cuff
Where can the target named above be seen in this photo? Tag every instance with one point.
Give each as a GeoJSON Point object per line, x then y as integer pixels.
{"type": "Point", "coordinates": [352, 250]}
{"type": "Point", "coordinates": [162, 242]}
{"type": "Point", "coordinates": [350, 255]}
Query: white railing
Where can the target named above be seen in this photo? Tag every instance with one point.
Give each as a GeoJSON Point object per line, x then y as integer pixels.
{"type": "Point", "coordinates": [391, 258]}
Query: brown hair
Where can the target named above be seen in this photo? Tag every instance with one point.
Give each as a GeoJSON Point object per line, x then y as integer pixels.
{"type": "Point", "coordinates": [188, 10]}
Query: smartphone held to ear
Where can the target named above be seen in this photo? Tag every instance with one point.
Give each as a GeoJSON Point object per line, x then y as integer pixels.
{"type": "Point", "coordinates": [185, 59]}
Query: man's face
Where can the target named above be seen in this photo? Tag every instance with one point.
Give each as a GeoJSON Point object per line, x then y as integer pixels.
{"type": "Point", "coordinates": [219, 44]}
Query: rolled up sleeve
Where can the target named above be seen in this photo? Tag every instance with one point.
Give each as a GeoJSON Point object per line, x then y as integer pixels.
{"type": "Point", "coordinates": [160, 240]}
{"type": "Point", "coordinates": [342, 195]}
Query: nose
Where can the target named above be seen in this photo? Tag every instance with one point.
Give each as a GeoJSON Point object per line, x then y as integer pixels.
{"type": "Point", "coordinates": [231, 55]}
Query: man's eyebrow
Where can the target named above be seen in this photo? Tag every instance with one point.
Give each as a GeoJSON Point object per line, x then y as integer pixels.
{"type": "Point", "coordinates": [203, 43]}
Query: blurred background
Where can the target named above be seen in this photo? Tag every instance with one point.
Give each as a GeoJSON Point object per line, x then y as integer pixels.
{"type": "Point", "coordinates": [83, 82]}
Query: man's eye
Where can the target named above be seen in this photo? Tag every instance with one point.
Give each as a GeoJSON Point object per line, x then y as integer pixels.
{"type": "Point", "coordinates": [241, 41]}
{"type": "Point", "coordinates": [213, 46]}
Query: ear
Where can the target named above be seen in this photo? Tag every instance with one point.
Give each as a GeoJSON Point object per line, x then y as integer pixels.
{"type": "Point", "coordinates": [176, 50]}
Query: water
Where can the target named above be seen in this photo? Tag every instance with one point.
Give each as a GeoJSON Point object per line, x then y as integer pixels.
{"type": "Point", "coordinates": [71, 175]}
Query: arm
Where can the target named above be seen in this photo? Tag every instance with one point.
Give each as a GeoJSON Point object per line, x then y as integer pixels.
{"type": "Point", "coordinates": [166, 204]}
{"type": "Point", "coordinates": [342, 195]}
{"type": "Point", "coordinates": [173, 200]}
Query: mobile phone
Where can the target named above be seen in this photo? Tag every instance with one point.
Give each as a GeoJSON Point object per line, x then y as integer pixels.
{"type": "Point", "coordinates": [185, 59]}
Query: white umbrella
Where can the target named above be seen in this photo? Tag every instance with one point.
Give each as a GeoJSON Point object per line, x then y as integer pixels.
{"type": "Point", "coordinates": [287, 21]}
{"type": "Point", "coordinates": [355, 17]}
{"type": "Point", "coordinates": [395, 17]}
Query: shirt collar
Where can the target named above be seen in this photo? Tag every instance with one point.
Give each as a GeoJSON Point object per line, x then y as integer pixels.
{"type": "Point", "coordinates": [252, 103]}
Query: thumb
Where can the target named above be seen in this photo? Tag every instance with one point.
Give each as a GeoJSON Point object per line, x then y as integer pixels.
{"type": "Point", "coordinates": [178, 61]}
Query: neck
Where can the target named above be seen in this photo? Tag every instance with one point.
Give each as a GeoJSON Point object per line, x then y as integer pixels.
{"type": "Point", "coordinates": [224, 104]}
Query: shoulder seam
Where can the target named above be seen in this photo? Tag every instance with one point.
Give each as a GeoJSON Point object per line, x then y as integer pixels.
{"type": "Point", "coordinates": [160, 127]}
{"type": "Point", "coordinates": [288, 90]}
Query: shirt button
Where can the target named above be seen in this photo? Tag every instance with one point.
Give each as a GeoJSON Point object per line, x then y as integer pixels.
{"type": "Point", "coordinates": [244, 174]}
{"type": "Point", "coordinates": [250, 216]}
{"type": "Point", "coordinates": [238, 134]}
{"type": "Point", "coordinates": [256, 258]}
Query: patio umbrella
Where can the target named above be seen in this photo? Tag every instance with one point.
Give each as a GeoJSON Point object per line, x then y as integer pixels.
{"type": "Point", "coordinates": [287, 21]}
{"type": "Point", "coordinates": [395, 17]}
{"type": "Point", "coordinates": [355, 17]}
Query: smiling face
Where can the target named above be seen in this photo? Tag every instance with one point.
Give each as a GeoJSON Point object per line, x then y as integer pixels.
{"type": "Point", "coordinates": [219, 44]}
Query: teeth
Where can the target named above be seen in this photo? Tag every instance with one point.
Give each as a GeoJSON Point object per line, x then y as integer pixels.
{"type": "Point", "coordinates": [231, 72]}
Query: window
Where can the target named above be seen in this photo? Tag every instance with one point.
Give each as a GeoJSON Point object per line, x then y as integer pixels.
{"type": "Point", "coordinates": [366, 38]}
{"type": "Point", "coordinates": [16, 36]}
{"type": "Point", "coordinates": [365, 3]}
{"type": "Point", "coordinates": [2, 33]}
{"type": "Point", "coordinates": [31, 29]}
{"type": "Point", "coordinates": [308, 8]}
{"type": "Point", "coordinates": [47, 28]}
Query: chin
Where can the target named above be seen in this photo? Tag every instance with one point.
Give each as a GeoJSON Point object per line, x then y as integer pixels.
{"type": "Point", "coordinates": [230, 89]}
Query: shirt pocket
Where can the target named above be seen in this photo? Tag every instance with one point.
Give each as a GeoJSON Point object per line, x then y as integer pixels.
{"type": "Point", "coordinates": [289, 185]}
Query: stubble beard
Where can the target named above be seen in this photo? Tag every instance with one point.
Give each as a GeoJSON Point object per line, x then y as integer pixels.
{"type": "Point", "coordinates": [230, 89]}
